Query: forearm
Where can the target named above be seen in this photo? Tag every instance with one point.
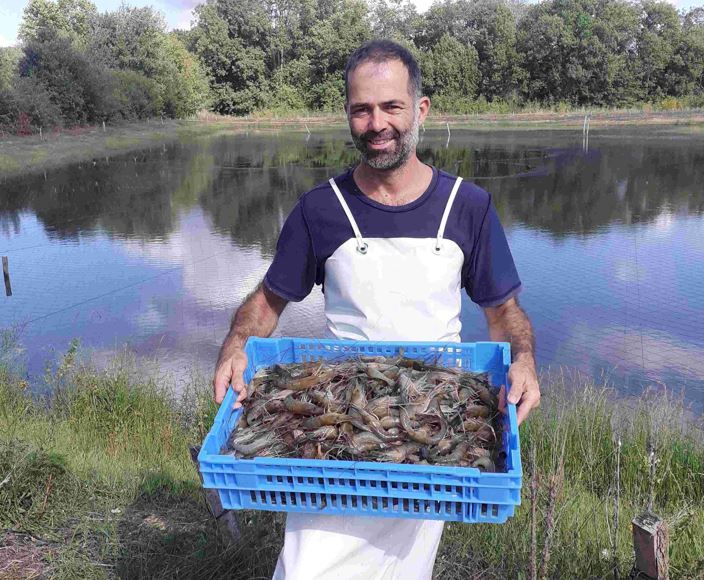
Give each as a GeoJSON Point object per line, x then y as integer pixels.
{"type": "Point", "coordinates": [509, 323]}
{"type": "Point", "coordinates": [257, 316]}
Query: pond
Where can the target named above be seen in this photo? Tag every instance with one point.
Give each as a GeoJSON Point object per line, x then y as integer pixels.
{"type": "Point", "coordinates": [155, 249]}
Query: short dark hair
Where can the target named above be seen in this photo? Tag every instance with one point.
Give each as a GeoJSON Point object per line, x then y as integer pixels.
{"type": "Point", "coordinates": [379, 51]}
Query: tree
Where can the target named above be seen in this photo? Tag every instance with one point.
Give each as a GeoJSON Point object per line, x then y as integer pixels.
{"type": "Point", "coordinates": [9, 61]}
{"type": "Point", "coordinates": [228, 39]}
{"type": "Point", "coordinates": [45, 19]}
{"type": "Point", "coordinates": [487, 25]}
{"type": "Point", "coordinates": [451, 69]}
{"type": "Point", "coordinates": [134, 39]}
{"type": "Point", "coordinates": [395, 19]}
{"type": "Point", "coordinates": [332, 40]}
{"type": "Point", "coordinates": [81, 89]}
{"type": "Point", "coordinates": [661, 63]}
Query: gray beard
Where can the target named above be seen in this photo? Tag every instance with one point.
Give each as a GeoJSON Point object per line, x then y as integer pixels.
{"type": "Point", "coordinates": [383, 160]}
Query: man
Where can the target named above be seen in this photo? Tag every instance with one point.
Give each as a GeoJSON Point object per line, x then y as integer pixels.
{"type": "Point", "coordinates": [393, 241]}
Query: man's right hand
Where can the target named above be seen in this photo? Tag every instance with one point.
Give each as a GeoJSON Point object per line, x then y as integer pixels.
{"type": "Point", "coordinates": [230, 370]}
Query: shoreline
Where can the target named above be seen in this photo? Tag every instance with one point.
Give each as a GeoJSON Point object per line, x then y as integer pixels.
{"type": "Point", "coordinates": [34, 154]}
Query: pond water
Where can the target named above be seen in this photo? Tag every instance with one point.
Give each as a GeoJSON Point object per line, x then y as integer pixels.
{"type": "Point", "coordinates": [155, 249]}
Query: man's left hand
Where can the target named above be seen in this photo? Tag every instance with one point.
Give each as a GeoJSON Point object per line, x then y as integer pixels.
{"type": "Point", "coordinates": [525, 390]}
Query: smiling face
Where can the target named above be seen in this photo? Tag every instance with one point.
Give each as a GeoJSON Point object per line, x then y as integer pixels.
{"type": "Point", "coordinates": [383, 115]}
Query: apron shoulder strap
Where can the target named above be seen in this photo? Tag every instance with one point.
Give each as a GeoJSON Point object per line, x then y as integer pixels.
{"type": "Point", "coordinates": [446, 213]}
{"type": "Point", "coordinates": [361, 244]}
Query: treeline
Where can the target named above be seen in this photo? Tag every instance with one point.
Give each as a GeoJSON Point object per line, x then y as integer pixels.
{"type": "Point", "coordinates": [290, 54]}
{"type": "Point", "coordinates": [76, 65]}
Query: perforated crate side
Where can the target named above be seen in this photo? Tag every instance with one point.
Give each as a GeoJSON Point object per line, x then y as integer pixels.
{"type": "Point", "coordinates": [341, 504]}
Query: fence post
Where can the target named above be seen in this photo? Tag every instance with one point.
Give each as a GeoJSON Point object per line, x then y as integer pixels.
{"type": "Point", "coordinates": [651, 545]}
{"type": "Point", "coordinates": [6, 275]}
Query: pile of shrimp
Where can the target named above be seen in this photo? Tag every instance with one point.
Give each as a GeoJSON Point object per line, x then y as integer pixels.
{"type": "Point", "coordinates": [397, 410]}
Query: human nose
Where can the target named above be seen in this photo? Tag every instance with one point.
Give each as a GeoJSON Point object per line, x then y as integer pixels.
{"type": "Point", "coordinates": [377, 122]}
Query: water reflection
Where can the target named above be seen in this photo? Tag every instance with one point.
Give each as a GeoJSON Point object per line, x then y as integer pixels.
{"type": "Point", "coordinates": [156, 248]}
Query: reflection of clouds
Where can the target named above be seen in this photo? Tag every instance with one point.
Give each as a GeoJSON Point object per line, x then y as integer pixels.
{"type": "Point", "coordinates": [648, 351]}
{"type": "Point", "coordinates": [664, 221]}
{"type": "Point", "coordinates": [625, 271]}
{"type": "Point", "coordinates": [151, 319]}
{"type": "Point", "coordinates": [184, 329]}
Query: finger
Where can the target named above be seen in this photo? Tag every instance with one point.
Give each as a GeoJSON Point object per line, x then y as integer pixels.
{"type": "Point", "coordinates": [527, 404]}
{"type": "Point", "coordinates": [516, 392]}
{"type": "Point", "coordinates": [220, 384]}
{"type": "Point", "coordinates": [502, 399]}
{"type": "Point", "coordinates": [241, 396]}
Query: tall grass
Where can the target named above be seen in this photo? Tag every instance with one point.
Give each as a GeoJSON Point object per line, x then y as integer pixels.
{"type": "Point", "coordinates": [100, 473]}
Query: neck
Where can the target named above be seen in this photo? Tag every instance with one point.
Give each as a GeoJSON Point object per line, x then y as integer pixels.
{"type": "Point", "coordinates": [394, 186]}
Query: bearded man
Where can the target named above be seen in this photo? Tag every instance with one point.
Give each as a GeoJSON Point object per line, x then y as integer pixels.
{"type": "Point", "coordinates": [393, 241]}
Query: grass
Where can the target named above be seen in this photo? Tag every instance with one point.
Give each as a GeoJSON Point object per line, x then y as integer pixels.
{"type": "Point", "coordinates": [28, 154]}
{"type": "Point", "coordinates": [22, 155]}
{"type": "Point", "coordinates": [96, 482]}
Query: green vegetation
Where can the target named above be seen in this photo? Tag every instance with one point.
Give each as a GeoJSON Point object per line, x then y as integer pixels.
{"type": "Point", "coordinates": [99, 474]}
{"type": "Point", "coordinates": [77, 66]}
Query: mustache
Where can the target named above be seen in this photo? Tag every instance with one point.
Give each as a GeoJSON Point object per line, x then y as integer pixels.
{"type": "Point", "coordinates": [385, 134]}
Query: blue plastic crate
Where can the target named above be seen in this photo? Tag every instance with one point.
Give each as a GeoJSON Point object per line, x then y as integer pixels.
{"type": "Point", "coordinates": [362, 487]}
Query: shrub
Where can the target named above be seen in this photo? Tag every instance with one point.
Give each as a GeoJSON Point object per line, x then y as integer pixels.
{"type": "Point", "coordinates": [136, 96]}
{"type": "Point", "coordinates": [27, 107]}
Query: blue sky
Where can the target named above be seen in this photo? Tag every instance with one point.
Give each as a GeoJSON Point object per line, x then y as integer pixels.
{"type": "Point", "coordinates": [178, 13]}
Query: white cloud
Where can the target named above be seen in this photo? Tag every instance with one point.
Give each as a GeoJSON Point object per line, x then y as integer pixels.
{"type": "Point", "coordinates": [184, 19]}
{"type": "Point", "coordinates": [5, 41]}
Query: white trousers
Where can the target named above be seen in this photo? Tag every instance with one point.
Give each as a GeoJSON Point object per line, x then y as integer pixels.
{"type": "Point", "coordinates": [321, 547]}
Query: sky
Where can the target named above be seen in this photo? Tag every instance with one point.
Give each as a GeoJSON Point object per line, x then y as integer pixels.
{"type": "Point", "coordinates": [178, 13]}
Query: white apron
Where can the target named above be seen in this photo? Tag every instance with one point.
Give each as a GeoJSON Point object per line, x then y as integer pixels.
{"type": "Point", "coordinates": [399, 289]}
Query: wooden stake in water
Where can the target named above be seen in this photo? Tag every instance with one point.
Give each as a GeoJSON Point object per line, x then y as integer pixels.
{"type": "Point", "coordinates": [6, 275]}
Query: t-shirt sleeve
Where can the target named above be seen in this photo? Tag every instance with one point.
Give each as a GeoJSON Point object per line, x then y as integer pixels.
{"type": "Point", "coordinates": [491, 278]}
{"type": "Point", "coordinates": [292, 273]}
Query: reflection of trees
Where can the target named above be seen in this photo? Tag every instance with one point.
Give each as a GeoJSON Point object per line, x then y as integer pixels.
{"type": "Point", "coordinates": [128, 196]}
{"type": "Point", "coordinates": [614, 185]}
{"type": "Point", "coordinates": [248, 184]}
{"type": "Point", "coordinates": [260, 180]}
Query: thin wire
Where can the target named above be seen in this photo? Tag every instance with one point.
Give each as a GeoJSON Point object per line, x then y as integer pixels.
{"type": "Point", "coordinates": [120, 289]}
{"type": "Point", "coordinates": [638, 303]}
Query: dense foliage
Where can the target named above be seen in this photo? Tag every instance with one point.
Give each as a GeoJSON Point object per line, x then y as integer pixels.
{"type": "Point", "coordinates": [80, 66]}
{"type": "Point", "coordinates": [77, 66]}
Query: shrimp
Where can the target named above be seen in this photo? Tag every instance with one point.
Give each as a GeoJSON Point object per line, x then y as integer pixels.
{"type": "Point", "coordinates": [484, 464]}
{"type": "Point", "coordinates": [381, 407]}
{"type": "Point", "coordinates": [301, 408]}
{"type": "Point", "coordinates": [398, 454]}
{"type": "Point", "coordinates": [325, 420]}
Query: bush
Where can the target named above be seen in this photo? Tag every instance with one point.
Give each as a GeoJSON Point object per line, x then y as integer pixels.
{"type": "Point", "coordinates": [136, 96]}
{"type": "Point", "coordinates": [329, 95]}
{"type": "Point", "coordinates": [27, 107]}
{"type": "Point", "coordinates": [81, 89]}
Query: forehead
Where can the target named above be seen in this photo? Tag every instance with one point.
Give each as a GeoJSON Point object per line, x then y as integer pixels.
{"type": "Point", "coordinates": [379, 81]}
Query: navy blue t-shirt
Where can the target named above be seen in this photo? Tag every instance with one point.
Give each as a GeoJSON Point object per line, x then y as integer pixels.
{"type": "Point", "coordinates": [317, 226]}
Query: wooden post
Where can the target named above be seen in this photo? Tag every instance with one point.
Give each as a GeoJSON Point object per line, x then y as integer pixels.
{"type": "Point", "coordinates": [651, 544]}
{"type": "Point", "coordinates": [6, 275]}
{"type": "Point", "coordinates": [225, 518]}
